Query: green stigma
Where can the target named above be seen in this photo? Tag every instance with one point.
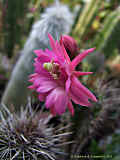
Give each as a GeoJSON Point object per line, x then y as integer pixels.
{"type": "Point", "coordinates": [48, 66]}
{"type": "Point", "coordinates": [52, 68]}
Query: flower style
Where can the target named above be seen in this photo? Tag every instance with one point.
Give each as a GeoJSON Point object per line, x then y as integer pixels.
{"type": "Point", "coordinates": [56, 80]}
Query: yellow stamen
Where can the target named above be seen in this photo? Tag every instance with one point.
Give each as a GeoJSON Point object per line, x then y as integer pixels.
{"type": "Point", "coordinates": [53, 68]}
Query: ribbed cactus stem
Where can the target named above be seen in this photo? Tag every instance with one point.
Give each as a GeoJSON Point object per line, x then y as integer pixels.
{"type": "Point", "coordinates": [86, 18]}
{"type": "Point", "coordinates": [13, 23]}
{"type": "Point", "coordinates": [84, 15]}
{"type": "Point", "coordinates": [91, 16]}
{"type": "Point", "coordinates": [54, 21]}
{"type": "Point", "coordinates": [108, 38]}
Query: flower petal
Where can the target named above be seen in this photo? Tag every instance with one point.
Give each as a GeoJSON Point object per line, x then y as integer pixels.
{"type": "Point", "coordinates": [37, 81]}
{"type": "Point", "coordinates": [46, 86]}
{"type": "Point", "coordinates": [58, 99]}
{"type": "Point", "coordinates": [80, 57]}
{"type": "Point", "coordinates": [39, 52]}
{"type": "Point", "coordinates": [83, 89]}
{"type": "Point", "coordinates": [50, 53]}
{"type": "Point", "coordinates": [53, 44]}
{"type": "Point", "coordinates": [61, 59]}
{"type": "Point", "coordinates": [78, 97]}
{"type": "Point", "coordinates": [33, 75]}
{"type": "Point", "coordinates": [50, 99]}
{"type": "Point", "coordinates": [77, 73]}
{"type": "Point", "coordinates": [31, 87]}
{"type": "Point", "coordinates": [61, 102]}
{"type": "Point", "coordinates": [42, 59]}
{"type": "Point", "coordinates": [67, 85]}
{"type": "Point", "coordinates": [67, 58]}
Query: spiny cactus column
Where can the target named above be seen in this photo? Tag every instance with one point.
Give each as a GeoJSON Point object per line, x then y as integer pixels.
{"type": "Point", "coordinates": [27, 135]}
{"type": "Point", "coordinates": [108, 38]}
{"type": "Point", "coordinates": [86, 18]}
{"type": "Point", "coordinates": [56, 20]}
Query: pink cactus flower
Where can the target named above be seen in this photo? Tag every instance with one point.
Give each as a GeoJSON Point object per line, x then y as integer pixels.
{"type": "Point", "coordinates": [56, 80]}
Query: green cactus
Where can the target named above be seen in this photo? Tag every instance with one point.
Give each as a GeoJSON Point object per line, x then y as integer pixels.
{"type": "Point", "coordinates": [56, 24]}
{"type": "Point", "coordinates": [13, 23]}
{"type": "Point", "coordinates": [108, 38]}
{"type": "Point", "coordinates": [86, 18]}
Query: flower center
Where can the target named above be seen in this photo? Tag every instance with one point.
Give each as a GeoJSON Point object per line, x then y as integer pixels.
{"type": "Point", "coordinates": [52, 68]}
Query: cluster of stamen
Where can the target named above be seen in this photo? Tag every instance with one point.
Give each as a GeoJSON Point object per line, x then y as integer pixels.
{"type": "Point", "coordinates": [52, 68]}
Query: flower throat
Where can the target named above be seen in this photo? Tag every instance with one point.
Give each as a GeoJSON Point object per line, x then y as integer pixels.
{"type": "Point", "coordinates": [52, 68]}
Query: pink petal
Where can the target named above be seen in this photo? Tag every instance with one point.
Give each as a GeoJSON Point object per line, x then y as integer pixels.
{"type": "Point", "coordinates": [67, 58]}
{"type": "Point", "coordinates": [52, 44]}
{"type": "Point", "coordinates": [58, 99]}
{"type": "Point", "coordinates": [39, 52]}
{"type": "Point", "coordinates": [77, 73]}
{"type": "Point", "coordinates": [50, 53]}
{"type": "Point", "coordinates": [33, 75]}
{"type": "Point", "coordinates": [59, 48]}
{"type": "Point", "coordinates": [80, 57]}
{"type": "Point", "coordinates": [46, 86]}
{"type": "Point", "coordinates": [50, 99]}
{"type": "Point", "coordinates": [42, 59]}
{"type": "Point", "coordinates": [83, 89]}
{"type": "Point", "coordinates": [39, 79]}
{"type": "Point", "coordinates": [31, 87]}
{"type": "Point", "coordinates": [71, 108]}
{"type": "Point", "coordinates": [68, 83]}
{"type": "Point", "coordinates": [78, 97]}
{"type": "Point", "coordinates": [61, 54]}
{"type": "Point", "coordinates": [61, 102]}
{"type": "Point", "coordinates": [31, 80]}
